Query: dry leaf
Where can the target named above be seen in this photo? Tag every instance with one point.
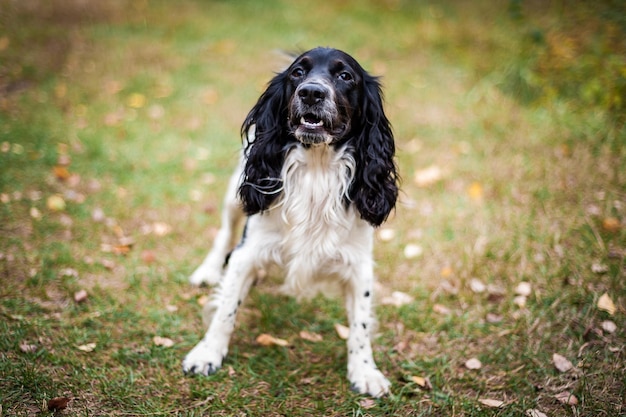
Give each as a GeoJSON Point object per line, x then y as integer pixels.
{"type": "Point", "coordinates": [61, 172]}
{"type": "Point", "coordinates": [397, 298]}
{"type": "Point", "coordinates": [311, 337]}
{"type": "Point", "coordinates": [55, 203]}
{"type": "Point", "coordinates": [88, 347]}
{"type": "Point", "coordinates": [265, 339]}
{"type": "Point", "coordinates": [428, 176]}
{"type": "Point", "coordinates": [473, 364]}
{"type": "Point", "coordinates": [491, 403]}
{"type": "Point", "coordinates": [231, 371]}
{"type": "Point", "coordinates": [412, 251]}
{"type": "Point", "coordinates": [606, 304]}
{"type": "Point", "coordinates": [523, 289]}
{"type": "Point", "coordinates": [386, 234]}
{"type": "Point", "coordinates": [80, 296]}
{"type": "Point", "coordinates": [441, 309]}
{"type": "Point", "coordinates": [422, 382]}
{"type": "Point", "coordinates": [163, 341]}
{"type": "Point", "coordinates": [58, 403]}
{"type": "Point", "coordinates": [367, 403]}
{"type": "Point", "coordinates": [342, 331]}
{"type": "Point", "coordinates": [533, 412]}
{"type": "Point", "coordinates": [477, 286]}
{"type": "Point", "coordinates": [148, 256]}
{"type": "Point", "coordinates": [599, 268]}
{"type": "Point", "coordinates": [567, 397]}
{"type": "Point", "coordinates": [136, 100]}
{"type": "Point", "coordinates": [161, 229]}
{"type": "Point", "coordinates": [475, 191]}
{"type": "Point", "coordinates": [520, 301]}
{"type": "Point", "coordinates": [611, 225]}
{"type": "Point", "coordinates": [27, 347]}
{"type": "Point", "coordinates": [493, 318]}
{"type": "Point", "coordinates": [561, 363]}
{"type": "Point", "coordinates": [609, 326]}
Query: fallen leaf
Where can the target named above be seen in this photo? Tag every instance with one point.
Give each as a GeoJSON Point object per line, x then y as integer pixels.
{"type": "Point", "coordinates": [80, 296]}
{"type": "Point", "coordinates": [161, 229]}
{"type": "Point", "coordinates": [611, 225]}
{"type": "Point", "coordinates": [367, 403]}
{"type": "Point", "coordinates": [231, 371]}
{"type": "Point", "coordinates": [606, 304]}
{"type": "Point", "coordinates": [520, 301]}
{"type": "Point", "coordinates": [523, 289]}
{"type": "Point", "coordinates": [136, 100]}
{"type": "Point", "coordinates": [473, 364]}
{"type": "Point", "coordinates": [311, 337]}
{"type": "Point", "coordinates": [493, 318]}
{"type": "Point", "coordinates": [533, 412]}
{"type": "Point", "coordinates": [386, 234]}
{"type": "Point", "coordinates": [88, 347]}
{"type": "Point", "coordinates": [491, 403]}
{"type": "Point", "coordinates": [55, 203]}
{"type": "Point", "coordinates": [163, 341]}
{"type": "Point", "coordinates": [475, 191]}
{"type": "Point", "coordinates": [58, 403]}
{"type": "Point", "coordinates": [609, 326]}
{"type": "Point", "coordinates": [27, 347]}
{"type": "Point", "coordinates": [412, 251]}
{"type": "Point", "coordinates": [61, 172]}
{"type": "Point", "coordinates": [422, 382]}
{"type": "Point", "coordinates": [441, 309]}
{"type": "Point", "coordinates": [397, 298]}
{"type": "Point", "coordinates": [477, 286]}
{"type": "Point", "coordinates": [567, 397]}
{"type": "Point", "coordinates": [148, 256]}
{"type": "Point", "coordinates": [342, 331]}
{"type": "Point", "coordinates": [265, 339]}
{"type": "Point", "coordinates": [599, 268]}
{"type": "Point", "coordinates": [35, 213]}
{"type": "Point", "coordinates": [561, 363]}
{"type": "Point", "coordinates": [427, 176]}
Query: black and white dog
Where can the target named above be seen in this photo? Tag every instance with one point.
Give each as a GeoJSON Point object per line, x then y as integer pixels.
{"type": "Point", "coordinates": [317, 175]}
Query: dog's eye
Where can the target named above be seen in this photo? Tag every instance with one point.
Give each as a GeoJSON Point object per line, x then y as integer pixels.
{"type": "Point", "coordinates": [297, 73]}
{"type": "Point", "coordinates": [345, 76]}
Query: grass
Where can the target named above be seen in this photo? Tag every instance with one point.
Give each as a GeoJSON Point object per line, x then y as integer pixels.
{"type": "Point", "coordinates": [129, 112]}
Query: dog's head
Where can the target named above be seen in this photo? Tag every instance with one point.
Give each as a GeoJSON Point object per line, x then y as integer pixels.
{"type": "Point", "coordinates": [324, 98]}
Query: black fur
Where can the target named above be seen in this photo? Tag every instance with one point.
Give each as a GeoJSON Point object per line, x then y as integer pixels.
{"type": "Point", "coordinates": [368, 135]}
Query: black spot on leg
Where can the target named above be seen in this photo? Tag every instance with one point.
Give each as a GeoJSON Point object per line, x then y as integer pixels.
{"type": "Point", "coordinates": [362, 347]}
{"type": "Point", "coordinates": [367, 294]}
{"type": "Point", "coordinates": [364, 326]}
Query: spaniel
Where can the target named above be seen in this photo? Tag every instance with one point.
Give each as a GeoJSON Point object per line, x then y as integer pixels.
{"type": "Point", "coordinates": [316, 176]}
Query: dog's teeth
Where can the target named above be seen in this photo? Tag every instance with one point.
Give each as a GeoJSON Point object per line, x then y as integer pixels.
{"type": "Point", "coordinates": [304, 122]}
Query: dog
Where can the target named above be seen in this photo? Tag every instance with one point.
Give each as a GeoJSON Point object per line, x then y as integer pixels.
{"type": "Point", "coordinates": [317, 175]}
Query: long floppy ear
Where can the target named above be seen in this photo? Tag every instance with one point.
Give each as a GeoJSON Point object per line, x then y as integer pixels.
{"type": "Point", "coordinates": [265, 137]}
{"type": "Point", "coordinates": [375, 187]}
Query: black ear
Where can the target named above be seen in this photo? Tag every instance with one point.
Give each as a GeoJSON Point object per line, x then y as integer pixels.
{"type": "Point", "coordinates": [375, 187]}
{"type": "Point", "coordinates": [266, 139]}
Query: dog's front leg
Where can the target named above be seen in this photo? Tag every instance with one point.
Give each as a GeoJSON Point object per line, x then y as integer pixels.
{"type": "Point", "coordinates": [207, 356]}
{"type": "Point", "coordinates": [364, 376]}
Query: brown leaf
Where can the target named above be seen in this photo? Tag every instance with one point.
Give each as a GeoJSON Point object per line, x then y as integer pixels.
{"type": "Point", "coordinates": [611, 225]}
{"type": "Point", "coordinates": [61, 172]}
{"type": "Point", "coordinates": [58, 403]}
{"type": "Point", "coordinates": [567, 397]}
{"type": "Point", "coordinates": [561, 363]}
{"type": "Point", "coordinates": [265, 339]}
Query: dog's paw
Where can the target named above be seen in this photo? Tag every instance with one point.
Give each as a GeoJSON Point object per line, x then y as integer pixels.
{"type": "Point", "coordinates": [203, 359]}
{"type": "Point", "coordinates": [208, 273]}
{"type": "Point", "coordinates": [369, 381]}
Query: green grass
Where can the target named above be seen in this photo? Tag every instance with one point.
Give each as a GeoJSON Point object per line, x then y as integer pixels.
{"type": "Point", "coordinates": [520, 104]}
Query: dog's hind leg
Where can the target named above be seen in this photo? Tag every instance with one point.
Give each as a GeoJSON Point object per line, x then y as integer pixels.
{"type": "Point", "coordinates": [211, 270]}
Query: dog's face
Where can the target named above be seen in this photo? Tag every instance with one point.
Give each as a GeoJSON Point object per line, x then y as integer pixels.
{"type": "Point", "coordinates": [325, 86]}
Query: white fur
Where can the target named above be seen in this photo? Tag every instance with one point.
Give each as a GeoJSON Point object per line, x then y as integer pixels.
{"type": "Point", "coordinates": [316, 238]}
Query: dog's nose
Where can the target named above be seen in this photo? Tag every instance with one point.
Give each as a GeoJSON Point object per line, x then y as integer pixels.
{"type": "Point", "coordinates": [311, 94]}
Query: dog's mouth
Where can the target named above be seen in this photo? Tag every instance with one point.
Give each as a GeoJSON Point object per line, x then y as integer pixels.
{"type": "Point", "coordinates": [311, 121]}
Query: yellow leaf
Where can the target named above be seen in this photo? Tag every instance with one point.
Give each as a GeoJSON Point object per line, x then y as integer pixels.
{"type": "Point", "coordinates": [606, 304]}
{"type": "Point", "coordinates": [475, 191]}
{"type": "Point", "coordinates": [55, 203]}
{"type": "Point", "coordinates": [136, 100]}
